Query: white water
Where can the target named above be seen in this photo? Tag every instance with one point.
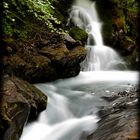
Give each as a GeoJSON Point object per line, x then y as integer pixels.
{"type": "Point", "coordinates": [66, 115]}
{"type": "Point", "coordinates": [99, 56]}
{"type": "Point", "coordinates": [73, 103]}
{"type": "Point", "coordinates": [84, 15]}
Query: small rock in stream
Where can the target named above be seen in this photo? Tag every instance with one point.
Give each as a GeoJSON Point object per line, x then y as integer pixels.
{"type": "Point", "coordinates": [119, 119]}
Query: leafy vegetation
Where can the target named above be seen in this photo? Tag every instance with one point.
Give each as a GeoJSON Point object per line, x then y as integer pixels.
{"type": "Point", "coordinates": [78, 34]}
{"type": "Point", "coordinates": [22, 17]}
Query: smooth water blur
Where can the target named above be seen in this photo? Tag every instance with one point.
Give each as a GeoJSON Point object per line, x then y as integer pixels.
{"type": "Point", "coordinates": [73, 103]}
{"type": "Point", "coordinates": [85, 78]}
{"type": "Point", "coordinates": [69, 114]}
{"type": "Point", "coordinates": [99, 56]}
{"type": "Point", "coordinates": [102, 58]}
{"type": "Point", "coordinates": [101, 83]}
{"type": "Point", "coordinates": [84, 16]}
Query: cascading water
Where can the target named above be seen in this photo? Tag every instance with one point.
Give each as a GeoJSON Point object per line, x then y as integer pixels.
{"type": "Point", "coordinates": [99, 57]}
{"type": "Point", "coordinates": [72, 108]}
{"type": "Point", "coordinates": [84, 15]}
{"type": "Point", "coordinates": [68, 114]}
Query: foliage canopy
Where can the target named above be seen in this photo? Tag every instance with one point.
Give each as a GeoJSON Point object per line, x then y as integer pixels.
{"type": "Point", "coordinates": [22, 16]}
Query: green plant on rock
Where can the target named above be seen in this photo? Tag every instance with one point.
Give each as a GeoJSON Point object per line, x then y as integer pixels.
{"type": "Point", "coordinates": [22, 16]}
{"type": "Point", "coordinates": [127, 28]}
{"type": "Point", "coordinates": [78, 34]}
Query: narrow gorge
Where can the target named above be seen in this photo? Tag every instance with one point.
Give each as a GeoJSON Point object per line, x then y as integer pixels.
{"type": "Point", "coordinates": [73, 104]}
{"type": "Point", "coordinates": [65, 75]}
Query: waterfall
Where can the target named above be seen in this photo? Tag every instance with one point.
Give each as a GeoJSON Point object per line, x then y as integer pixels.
{"type": "Point", "coordinates": [70, 114]}
{"type": "Point", "coordinates": [73, 103]}
{"type": "Point", "coordinates": [99, 57]}
{"type": "Point", "coordinates": [84, 16]}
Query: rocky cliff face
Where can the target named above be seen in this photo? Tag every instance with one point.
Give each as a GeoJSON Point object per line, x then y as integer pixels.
{"type": "Point", "coordinates": [120, 28]}
{"type": "Point", "coordinates": [52, 57]}
{"type": "Point", "coordinates": [119, 119]}
{"type": "Point", "coordinates": [45, 56]}
{"type": "Point", "coordinates": [20, 102]}
{"type": "Point", "coordinates": [40, 50]}
{"type": "Point", "coordinates": [36, 49]}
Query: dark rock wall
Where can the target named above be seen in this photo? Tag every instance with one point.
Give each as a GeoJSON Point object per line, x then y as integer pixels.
{"type": "Point", "coordinates": [120, 28]}
{"type": "Point", "coordinates": [119, 119]}
{"type": "Point", "coordinates": [36, 53]}
{"type": "Point", "coordinates": [21, 102]}
{"type": "Point", "coordinates": [45, 56]}
{"type": "Point", "coordinates": [51, 58]}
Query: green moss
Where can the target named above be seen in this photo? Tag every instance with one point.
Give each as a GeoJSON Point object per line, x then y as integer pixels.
{"type": "Point", "coordinates": [39, 94]}
{"type": "Point", "coordinates": [22, 17]}
{"type": "Point", "coordinates": [132, 60]}
{"type": "Point", "coordinates": [5, 113]}
{"type": "Point", "coordinates": [78, 34]}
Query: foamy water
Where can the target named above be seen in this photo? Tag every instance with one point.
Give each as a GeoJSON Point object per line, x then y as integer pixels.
{"type": "Point", "coordinates": [73, 103]}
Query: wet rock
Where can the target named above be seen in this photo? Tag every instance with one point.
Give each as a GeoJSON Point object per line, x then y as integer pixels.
{"type": "Point", "coordinates": [122, 43]}
{"type": "Point", "coordinates": [120, 28]}
{"type": "Point", "coordinates": [119, 119]}
{"type": "Point", "coordinates": [47, 60]}
{"type": "Point", "coordinates": [64, 61]}
{"type": "Point", "coordinates": [55, 53]}
{"type": "Point", "coordinates": [73, 60]}
{"type": "Point", "coordinates": [76, 56]}
{"type": "Point", "coordinates": [70, 71]}
{"type": "Point", "coordinates": [132, 60]}
{"type": "Point", "coordinates": [32, 68]}
{"type": "Point", "coordinates": [78, 34]}
{"type": "Point", "coordinates": [69, 41]}
{"type": "Point", "coordinates": [20, 102]}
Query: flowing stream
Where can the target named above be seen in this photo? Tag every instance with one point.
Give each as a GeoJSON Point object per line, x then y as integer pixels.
{"type": "Point", "coordinates": [99, 57]}
{"type": "Point", "coordinates": [73, 103]}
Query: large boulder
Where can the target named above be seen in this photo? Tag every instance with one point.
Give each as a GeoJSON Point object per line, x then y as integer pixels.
{"type": "Point", "coordinates": [119, 119]}
{"type": "Point", "coordinates": [65, 62]}
{"type": "Point", "coordinates": [120, 28]}
{"type": "Point", "coordinates": [73, 60]}
{"type": "Point", "coordinates": [20, 102]}
{"type": "Point", "coordinates": [79, 34]}
{"type": "Point", "coordinates": [46, 60]}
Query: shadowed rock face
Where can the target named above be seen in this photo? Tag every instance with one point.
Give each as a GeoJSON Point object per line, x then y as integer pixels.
{"type": "Point", "coordinates": [120, 28]}
{"type": "Point", "coordinates": [119, 120]}
{"type": "Point", "coordinates": [20, 102]}
{"type": "Point", "coordinates": [51, 58]}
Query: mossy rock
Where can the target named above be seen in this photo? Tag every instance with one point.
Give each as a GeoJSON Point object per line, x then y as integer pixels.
{"type": "Point", "coordinates": [56, 53]}
{"type": "Point", "coordinates": [20, 102]}
{"type": "Point", "coordinates": [33, 68]}
{"type": "Point", "coordinates": [132, 61]}
{"type": "Point", "coordinates": [78, 34]}
{"type": "Point", "coordinates": [39, 69]}
{"type": "Point", "coordinates": [76, 56]}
